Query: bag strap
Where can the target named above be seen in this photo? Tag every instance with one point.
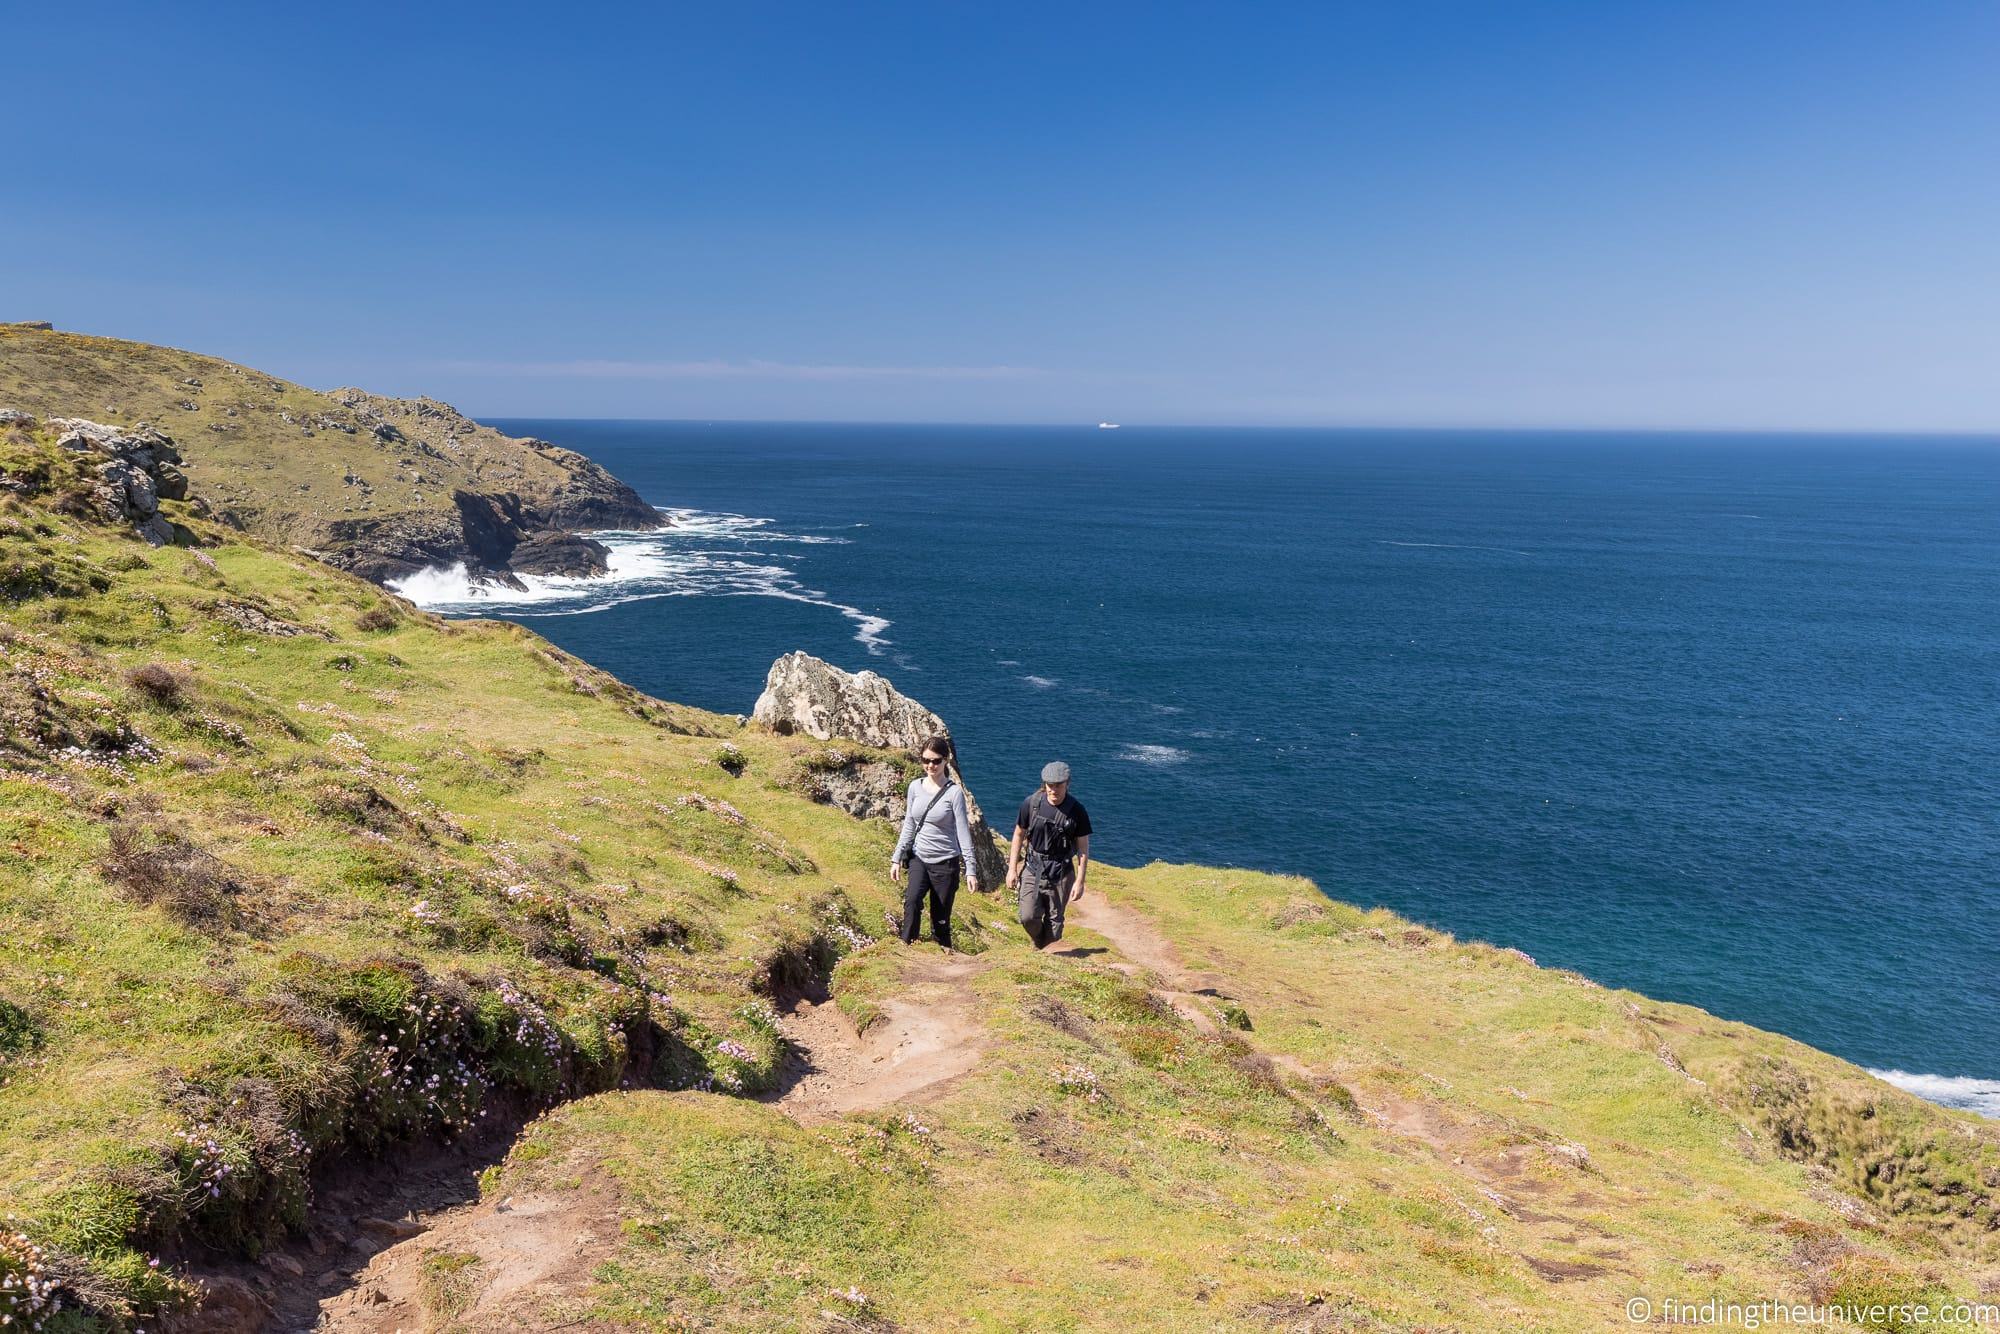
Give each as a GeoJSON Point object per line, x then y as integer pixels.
{"type": "Point", "coordinates": [944, 788]}
{"type": "Point", "coordinates": [909, 854]}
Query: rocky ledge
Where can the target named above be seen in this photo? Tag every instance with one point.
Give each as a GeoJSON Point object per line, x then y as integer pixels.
{"type": "Point", "coordinates": [804, 695]}
{"type": "Point", "coordinates": [131, 471]}
{"type": "Point", "coordinates": [532, 526]}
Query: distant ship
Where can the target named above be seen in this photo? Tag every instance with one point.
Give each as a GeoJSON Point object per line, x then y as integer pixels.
{"type": "Point", "coordinates": [1107, 426]}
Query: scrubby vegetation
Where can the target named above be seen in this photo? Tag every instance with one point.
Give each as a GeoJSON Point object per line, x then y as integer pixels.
{"type": "Point", "coordinates": [299, 876]}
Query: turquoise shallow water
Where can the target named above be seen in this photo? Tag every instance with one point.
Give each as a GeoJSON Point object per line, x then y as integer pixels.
{"type": "Point", "coordinates": [1710, 717]}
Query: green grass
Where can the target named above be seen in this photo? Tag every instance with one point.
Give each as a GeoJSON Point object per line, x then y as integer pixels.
{"type": "Point", "coordinates": [333, 890]}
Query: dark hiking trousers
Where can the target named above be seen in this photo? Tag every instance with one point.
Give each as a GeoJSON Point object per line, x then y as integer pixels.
{"type": "Point", "coordinates": [1044, 894]}
{"type": "Point", "coordinates": [938, 881]}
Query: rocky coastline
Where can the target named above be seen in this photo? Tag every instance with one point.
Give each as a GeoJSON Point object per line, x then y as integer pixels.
{"type": "Point", "coordinates": [378, 486]}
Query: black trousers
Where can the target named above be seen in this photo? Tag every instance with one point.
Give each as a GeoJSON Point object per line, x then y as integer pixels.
{"type": "Point", "coordinates": [938, 880]}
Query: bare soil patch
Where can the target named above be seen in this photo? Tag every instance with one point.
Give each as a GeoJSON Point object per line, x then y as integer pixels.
{"type": "Point", "coordinates": [927, 1037]}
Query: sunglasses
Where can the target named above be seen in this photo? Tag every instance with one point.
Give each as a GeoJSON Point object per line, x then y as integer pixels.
{"type": "Point", "coordinates": [933, 759]}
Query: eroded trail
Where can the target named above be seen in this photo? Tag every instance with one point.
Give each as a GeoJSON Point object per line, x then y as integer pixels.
{"type": "Point", "coordinates": [514, 1264]}
{"type": "Point", "coordinates": [525, 1263]}
{"type": "Point", "coordinates": [1136, 938]}
{"type": "Point", "coordinates": [926, 1037]}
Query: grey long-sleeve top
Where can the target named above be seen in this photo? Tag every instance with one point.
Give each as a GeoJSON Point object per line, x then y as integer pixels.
{"type": "Point", "coordinates": [947, 831]}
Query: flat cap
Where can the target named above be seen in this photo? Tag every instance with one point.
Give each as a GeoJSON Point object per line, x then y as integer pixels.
{"type": "Point", "coordinates": [1055, 771]}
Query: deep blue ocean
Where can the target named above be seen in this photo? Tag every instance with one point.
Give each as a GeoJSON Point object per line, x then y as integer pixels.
{"type": "Point", "coordinates": [1716, 718]}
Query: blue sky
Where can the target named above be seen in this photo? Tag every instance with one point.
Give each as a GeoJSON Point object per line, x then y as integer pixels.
{"type": "Point", "coordinates": [1647, 214]}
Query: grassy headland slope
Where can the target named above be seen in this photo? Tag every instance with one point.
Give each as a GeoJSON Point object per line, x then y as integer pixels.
{"type": "Point", "coordinates": [379, 486]}
{"type": "Point", "coordinates": [296, 875]}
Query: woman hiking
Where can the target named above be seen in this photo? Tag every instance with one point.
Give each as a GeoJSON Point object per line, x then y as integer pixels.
{"type": "Point", "coordinates": [935, 843]}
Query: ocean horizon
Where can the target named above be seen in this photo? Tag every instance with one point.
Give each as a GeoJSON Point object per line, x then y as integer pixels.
{"type": "Point", "coordinates": [1707, 715]}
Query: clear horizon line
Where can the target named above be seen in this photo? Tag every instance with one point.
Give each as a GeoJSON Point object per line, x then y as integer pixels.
{"type": "Point", "coordinates": [1414, 428]}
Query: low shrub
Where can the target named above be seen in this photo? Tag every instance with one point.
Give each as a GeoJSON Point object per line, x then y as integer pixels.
{"type": "Point", "coordinates": [160, 684]}
{"type": "Point", "coordinates": [163, 868]}
{"type": "Point", "coordinates": [19, 1032]}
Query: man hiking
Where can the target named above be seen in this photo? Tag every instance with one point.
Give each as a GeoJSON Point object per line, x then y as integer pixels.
{"type": "Point", "coordinates": [1052, 838]}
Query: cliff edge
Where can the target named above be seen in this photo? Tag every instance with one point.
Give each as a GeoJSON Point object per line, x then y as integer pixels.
{"type": "Point", "coordinates": [381, 487]}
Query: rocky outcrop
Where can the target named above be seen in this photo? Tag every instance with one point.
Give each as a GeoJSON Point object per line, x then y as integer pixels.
{"type": "Point", "coordinates": [381, 487]}
{"type": "Point", "coordinates": [134, 472]}
{"type": "Point", "coordinates": [805, 695]}
{"type": "Point", "coordinates": [866, 789]}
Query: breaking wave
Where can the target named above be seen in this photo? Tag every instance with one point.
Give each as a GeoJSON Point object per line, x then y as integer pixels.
{"type": "Point", "coordinates": [1960, 1091]}
{"type": "Point", "coordinates": [703, 554]}
{"type": "Point", "coordinates": [1139, 754]}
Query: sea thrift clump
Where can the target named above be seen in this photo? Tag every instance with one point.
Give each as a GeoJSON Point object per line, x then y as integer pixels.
{"type": "Point", "coordinates": [222, 729]}
{"type": "Point", "coordinates": [202, 1160]}
{"type": "Point", "coordinates": [723, 874]}
{"type": "Point", "coordinates": [722, 810]}
{"type": "Point", "coordinates": [761, 1014]}
{"type": "Point", "coordinates": [111, 756]}
{"type": "Point", "coordinates": [421, 1070]}
{"type": "Point", "coordinates": [1078, 1079]}
{"type": "Point", "coordinates": [735, 1050]}
{"type": "Point", "coordinates": [423, 912]}
{"type": "Point", "coordinates": [839, 929]}
{"type": "Point", "coordinates": [27, 1293]}
{"type": "Point", "coordinates": [533, 1029]}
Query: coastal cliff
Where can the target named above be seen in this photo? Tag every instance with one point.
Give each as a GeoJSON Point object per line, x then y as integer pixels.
{"type": "Point", "coordinates": [401, 973]}
{"type": "Point", "coordinates": [382, 487]}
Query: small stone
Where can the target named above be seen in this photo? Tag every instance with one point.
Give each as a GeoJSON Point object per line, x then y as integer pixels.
{"type": "Point", "coordinates": [393, 1229]}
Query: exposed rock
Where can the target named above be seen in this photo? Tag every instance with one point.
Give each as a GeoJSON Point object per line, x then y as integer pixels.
{"type": "Point", "coordinates": [228, 1305]}
{"type": "Point", "coordinates": [136, 470]}
{"type": "Point", "coordinates": [803, 694]}
{"type": "Point", "coordinates": [866, 789]}
{"type": "Point", "coordinates": [566, 554]}
{"type": "Point", "coordinates": [248, 616]}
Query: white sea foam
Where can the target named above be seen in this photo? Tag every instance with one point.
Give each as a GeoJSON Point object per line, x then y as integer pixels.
{"type": "Point", "coordinates": [703, 554]}
{"type": "Point", "coordinates": [1041, 682]}
{"type": "Point", "coordinates": [1139, 754]}
{"type": "Point", "coordinates": [1960, 1091]}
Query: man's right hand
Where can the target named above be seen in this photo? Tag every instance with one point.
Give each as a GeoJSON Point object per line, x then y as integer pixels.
{"type": "Point", "coordinates": [896, 871]}
{"type": "Point", "coordinates": [1014, 878]}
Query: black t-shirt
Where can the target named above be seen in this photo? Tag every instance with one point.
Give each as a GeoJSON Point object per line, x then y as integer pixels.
{"type": "Point", "coordinates": [1053, 828]}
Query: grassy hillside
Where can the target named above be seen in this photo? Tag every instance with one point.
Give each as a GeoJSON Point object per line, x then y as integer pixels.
{"type": "Point", "coordinates": [299, 876]}
{"type": "Point", "coordinates": [368, 481]}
